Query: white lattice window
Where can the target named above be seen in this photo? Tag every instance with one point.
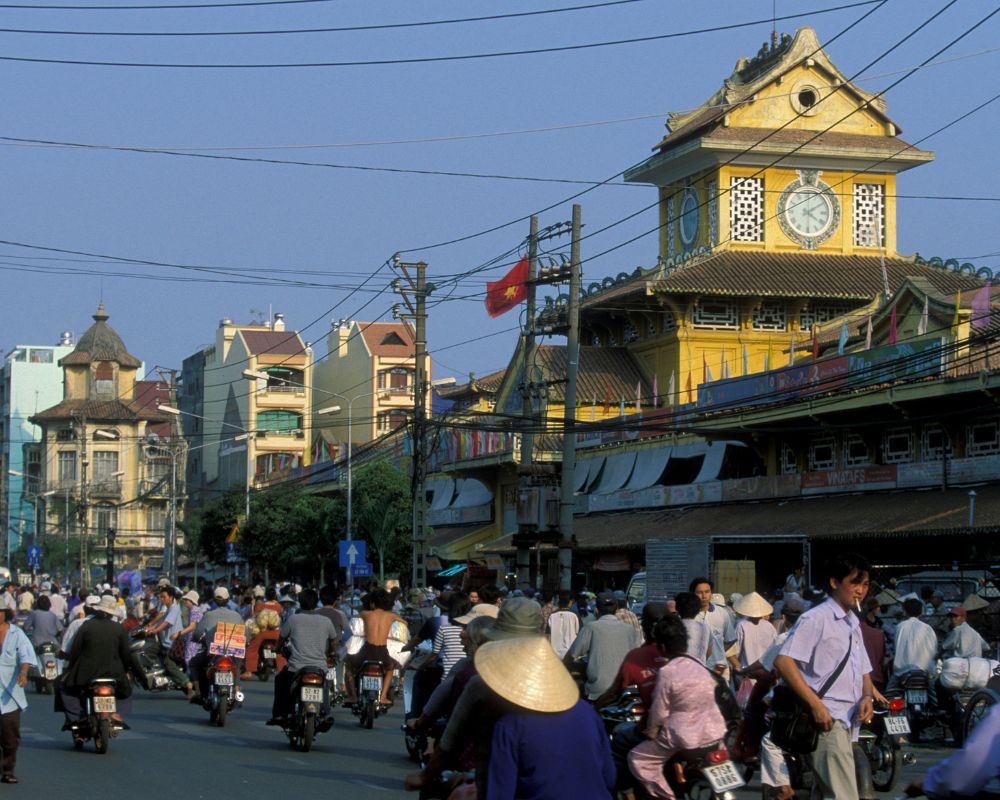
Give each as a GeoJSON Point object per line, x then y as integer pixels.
{"type": "Point", "coordinates": [818, 314]}
{"type": "Point", "coordinates": [789, 464]}
{"type": "Point", "coordinates": [983, 437]}
{"type": "Point", "coordinates": [822, 454]}
{"type": "Point", "coordinates": [715, 314]}
{"type": "Point", "coordinates": [671, 226]}
{"type": "Point", "coordinates": [713, 212]}
{"type": "Point", "coordinates": [869, 215]}
{"type": "Point", "coordinates": [746, 209]}
{"type": "Point", "coordinates": [934, 443]}
{"type": "Point", "coordinates": [855, 451]}
{"type": "Point", "coordinates": [897, 446]}
{"type": "Point", "coordinates": [769, 317]}
{"type": "Point", "coordinates": [630, 332]}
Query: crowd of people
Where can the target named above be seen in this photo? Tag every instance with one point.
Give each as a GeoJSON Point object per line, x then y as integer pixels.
{"type": "Point", "coordinates": [509, 681]}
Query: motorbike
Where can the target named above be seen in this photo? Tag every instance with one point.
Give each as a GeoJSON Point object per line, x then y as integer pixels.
{"type": "Point", "coordinates": [99, 705]}
{"type": "Point", "coordinates": [368, 690]}
{"type": "Point", "coordinates": [310, 711]}
{"type": "Point", "coordinates": [628, 708]}
{"type": "Point", "coordinates": [880, 741]}
{"type": "Point", "coordinates": [222, 694]}
{"type": "Point", "coordinates": [147, 665]}
{"type": "Point", "coordinates": [267, 659]}
{"type": "Point", "coordinates": [47, 672]}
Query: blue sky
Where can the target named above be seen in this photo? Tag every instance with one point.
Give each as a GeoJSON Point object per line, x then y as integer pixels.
{"type": "Point", "coordinates": [273, 223]}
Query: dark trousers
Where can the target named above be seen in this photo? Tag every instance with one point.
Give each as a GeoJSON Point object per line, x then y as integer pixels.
{"type": "Point", "coordinates": [282, 705]}
{"type": "Point", "coordinates": [174, 669]}
{"type": "Point", "coordinates": [10, 739]}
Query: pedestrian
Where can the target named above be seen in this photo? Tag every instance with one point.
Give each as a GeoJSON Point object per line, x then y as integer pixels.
{"type": "Point", "coordinates": [548, 720]}
{"type": "Point", "coordinates": [16, 657]}
{"type": "Point", "coordinates": [796, 582]}
{"type": "Point", "coordinates": [754, 635]}
{"type": "Point", "coordinates": [964, 641]}
{"type": "Point", "coordinates": [826, 644]}
{"type": "Point", "coordinates": [564, 625]}
{"type": "Point", "coordinates": [604, 643]}
{"type": "Point", "coordinates": [699, 635]}
{"type": "Point", "coordinates": [719, 620]}
{"type": "Point", "coordinates": [875, 642]}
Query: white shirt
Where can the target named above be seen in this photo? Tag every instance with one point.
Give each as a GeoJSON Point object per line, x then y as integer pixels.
{"type": "Point", "coordinates": [58, 605]}
{"type": "Point", "coordinates": [563, 628]}
{"type": "Point", "coordinates": [699, 638]}
{"type": "Point", "coordinates": [720, 623]}
{"type": "Point", "coordinates": [916, 647]}
{"type": "Point", "coordinates": [754, 640]}
{"type": "Point", "coordinates": [965, 642]}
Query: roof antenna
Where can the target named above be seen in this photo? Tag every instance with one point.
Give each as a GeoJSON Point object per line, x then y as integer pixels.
{"type": "Point", "coordinates": [774, 24]}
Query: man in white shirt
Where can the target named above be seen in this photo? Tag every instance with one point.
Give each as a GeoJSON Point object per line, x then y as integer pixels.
{"type": "Point", "coordinates": [916, 643]}
{"type": "Point", "coordinates": [700, 643]}
{"type": "Point", "coordinates": [718, 618]}
{"type": "Point", "coordinates": [564, 625]}
{"type": "Point", "coordinates": [964, 641]}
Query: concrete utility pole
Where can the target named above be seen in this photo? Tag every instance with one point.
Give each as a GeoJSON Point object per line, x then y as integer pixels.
{"type": "Point", "coordinates": [523, 557]}
{"type": "Point", "coordinates": [419, 289]}
{"type": "Point", "coordinates": [568, 500]}
{"type": "Point", "coordinates": [83, 510]}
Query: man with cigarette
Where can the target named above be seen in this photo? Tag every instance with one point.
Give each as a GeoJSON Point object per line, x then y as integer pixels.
{"type": "Point", "coordinates": [827, 644]}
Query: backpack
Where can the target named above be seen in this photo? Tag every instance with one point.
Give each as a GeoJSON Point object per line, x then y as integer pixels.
{"type": "Point", "coordinates": [725, 700]}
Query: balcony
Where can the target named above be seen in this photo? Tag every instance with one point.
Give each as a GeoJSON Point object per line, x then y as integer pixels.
{"type": "Point", "coordinates": [294, 397]}
{"type": "Point", "coordinates": [107, 488]}
{"type": "Point", "coordinates": [61, 486]}
{"type": "Point", "coordinates": [158, 488]}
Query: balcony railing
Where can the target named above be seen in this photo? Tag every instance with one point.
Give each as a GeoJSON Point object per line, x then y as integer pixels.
{"type": "Point", "coordinates": [155, 488]}
{"type": "Point", "coordinates": [62, 486]}
{"type": "Point", "coordinates": [108, 487]}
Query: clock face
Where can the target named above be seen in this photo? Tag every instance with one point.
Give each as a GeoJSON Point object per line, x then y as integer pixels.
{"type": "Point", "coordinates": [808, 211]}
{"type": "Point", "coordinates": [689, 216]}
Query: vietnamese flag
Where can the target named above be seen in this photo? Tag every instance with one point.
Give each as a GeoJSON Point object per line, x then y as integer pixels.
{"type": "Point", "coordinates": [509, 291]}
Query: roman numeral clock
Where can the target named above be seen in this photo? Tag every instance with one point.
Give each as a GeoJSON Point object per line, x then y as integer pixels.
{"type": "Point", "coordinates": [808, 210]}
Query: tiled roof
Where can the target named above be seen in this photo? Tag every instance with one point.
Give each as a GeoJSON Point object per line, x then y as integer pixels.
{"type": "Point", "coordinates": [100, 342]}
{"type": "Point", "coordinates": [603, 371]}
{"type": "Point", "coordinates": [488, 384]}
{"type": "Point", "coordinates": [101, 411]}
{"type": "Point", "coordinates": [753, 274]}
{"type": "Point", "coordinates": [390, 339]}
{"type": "Point", "coordinates": [834, 139]}
{"type": "Point", "coordinates": [276, 343]}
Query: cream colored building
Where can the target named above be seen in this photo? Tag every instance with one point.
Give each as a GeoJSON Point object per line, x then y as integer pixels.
{"type": "Point", "coordinates": [241, 428]}
{"type": "Point", "coordinates": [369, 373]}
{"type": "Point", "coordinates": [102, 467]}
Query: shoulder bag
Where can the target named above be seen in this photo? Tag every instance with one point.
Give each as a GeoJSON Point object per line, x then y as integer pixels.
{"type": "Point", "coordinates": [793, 728]}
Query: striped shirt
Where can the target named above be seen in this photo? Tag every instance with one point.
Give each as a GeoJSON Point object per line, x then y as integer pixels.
{"type": "Point", "coordinates": [448, 645]}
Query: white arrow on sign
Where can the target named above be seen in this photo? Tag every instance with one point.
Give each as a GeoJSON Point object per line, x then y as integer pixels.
{"type": "Point", "coordinates": [352, 553]}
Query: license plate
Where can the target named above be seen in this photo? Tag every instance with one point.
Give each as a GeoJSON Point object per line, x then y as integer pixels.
{"type": "Point", "coordinates": [370, 683]}
{"type": "Point", "coordinates": [916, 697]}
{"type": "Point", "coordinates": [223, 679]}
{"type": "Point", "coordinates": [105, 705]}
{"type": "Point", "coordinates": [897, 726]}
{"type": "Point", "coordinates": [269, 654]}
{"type": "Point", "coordinates": [723, 777]}
{"type": "Point", "coordinates": [312, 694]}
{"type": "Point", "coordinates": [51, 672]}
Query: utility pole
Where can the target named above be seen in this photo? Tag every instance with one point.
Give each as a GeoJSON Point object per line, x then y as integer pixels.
{"type": "Point", "coordinates": [523, 557]}
{"type": "Point", "coordinates": [568, 499]}
{"type": "Point", "coordinates": [82, 510]}
{"type": "Point", "coordinates": [419, 289]}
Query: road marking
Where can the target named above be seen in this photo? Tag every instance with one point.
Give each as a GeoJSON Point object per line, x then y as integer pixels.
{"type": "Point", "coordinates": [237, 742]}
{"type": "Point", "coordinates": [369, 785]}
{"type": "Point", "coordinates": [298, 761]}
{"type": "Point", "coordinates": [37, 737]}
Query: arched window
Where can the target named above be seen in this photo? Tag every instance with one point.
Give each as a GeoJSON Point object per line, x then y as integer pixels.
{"type": "Point", "coordinates": [104, 380]}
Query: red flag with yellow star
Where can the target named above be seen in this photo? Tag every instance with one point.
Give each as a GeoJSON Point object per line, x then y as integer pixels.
{"type": "Point", "coordinates": [509, 291]}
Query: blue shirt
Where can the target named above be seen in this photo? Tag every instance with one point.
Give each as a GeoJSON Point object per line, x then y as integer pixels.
{"type": "Point", "coordinates": [17, 650]}
{"type": "Point", "coordinates": [538, 756]}
{"type": "Point", "coordinates": [174, 624]}
{"type": "Point", "coordinates": [972, 768]}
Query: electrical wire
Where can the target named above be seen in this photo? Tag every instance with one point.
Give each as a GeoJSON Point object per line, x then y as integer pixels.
{"type": "Point", "coordinates": [440, 59]}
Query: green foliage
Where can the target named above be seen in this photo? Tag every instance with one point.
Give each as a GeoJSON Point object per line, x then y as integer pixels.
{"type": "Point", "coordinates": [383, 512]}
{"type": "Point", "coordinates": [289, 531]}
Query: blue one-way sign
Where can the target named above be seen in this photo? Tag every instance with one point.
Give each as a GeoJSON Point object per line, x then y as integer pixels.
{"type": "Point", "coordinates": [352, 553]}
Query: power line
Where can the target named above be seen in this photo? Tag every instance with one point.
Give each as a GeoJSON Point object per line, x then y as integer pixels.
{"type": "Point", "coordinates": [350, 28]}
{"type": "Point", "coordinates": [440, 59]}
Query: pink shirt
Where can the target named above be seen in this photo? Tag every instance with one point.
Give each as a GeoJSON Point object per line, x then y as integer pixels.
{"type": "Point", "coordinates": [684, 705]}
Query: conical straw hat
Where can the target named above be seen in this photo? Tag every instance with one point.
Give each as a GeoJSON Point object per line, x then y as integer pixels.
{"type": "Point", "coordinates": [974, 602]}
{"type": "Point", "coordinates": [753, 605]}
{"type": "Point", "coordinates": [527, 672]}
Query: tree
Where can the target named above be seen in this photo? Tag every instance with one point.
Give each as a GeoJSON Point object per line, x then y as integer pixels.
{"type": "Point", "coordinates": [385, 514]}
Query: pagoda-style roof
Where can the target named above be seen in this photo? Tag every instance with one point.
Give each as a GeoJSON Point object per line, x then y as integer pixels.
{"type": "Point", "coordinates": [100, 342]}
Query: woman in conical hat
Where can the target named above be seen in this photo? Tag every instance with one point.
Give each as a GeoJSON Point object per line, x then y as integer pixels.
{"type": "Point", "coordinates": [754, 635]}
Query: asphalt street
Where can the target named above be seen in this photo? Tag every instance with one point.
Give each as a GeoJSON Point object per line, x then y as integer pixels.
{"type": "Point", "coordinates": [173, 750]}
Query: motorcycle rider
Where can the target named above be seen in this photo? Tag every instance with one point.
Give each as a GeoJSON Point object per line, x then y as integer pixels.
{"type": "Point", "coordinates": [964, 641]}
{"type": "Point", "coordinates": [100, 649]}
{"type": "Point", "coordinates": [205, 631]}
{"type": "Point", "coordinates": [916, 645]}
{"type": "Point", "coordinates": [310, 637]}
{"type": "Point", "coordinates": [169, 624]}
{"type": "Point", "coordinates": [604, 643]}
{"type": "Point", "coordinates": [970, 769]}
{"type": "Point", "coordinates": [42, 625]}
{"type": "Point", "coordinates": [378, 623]}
